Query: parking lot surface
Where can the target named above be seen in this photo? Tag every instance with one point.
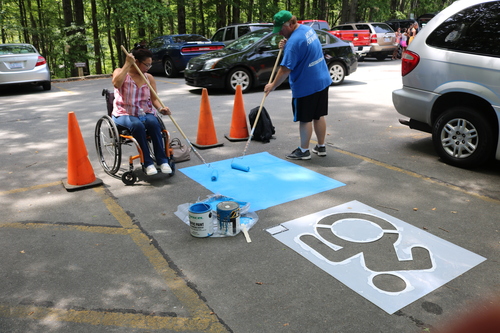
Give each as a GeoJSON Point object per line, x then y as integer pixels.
{"type": "Point", "coordinates": [115, 258]}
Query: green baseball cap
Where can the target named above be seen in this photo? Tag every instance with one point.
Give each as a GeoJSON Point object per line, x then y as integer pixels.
{"type": "Point", "coordinates": [281, 18]}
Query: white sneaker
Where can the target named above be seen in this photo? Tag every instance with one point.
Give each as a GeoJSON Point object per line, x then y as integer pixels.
{"type": "Point", "coordinates": [165, 168]}
{"type": "Point", "coordinates": [151, 170]}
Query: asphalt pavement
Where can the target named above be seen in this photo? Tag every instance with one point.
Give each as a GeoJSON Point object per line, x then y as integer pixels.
{"type": "Point", "coordinates": [115, 258]}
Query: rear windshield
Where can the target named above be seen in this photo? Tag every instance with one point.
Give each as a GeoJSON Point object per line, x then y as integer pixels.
{"type": "Point", "coordinates": [16, 49]}
{"type": "Point", "coordinates": [381, 28]}
{"type": "Point", "coordinates": [190, 38]}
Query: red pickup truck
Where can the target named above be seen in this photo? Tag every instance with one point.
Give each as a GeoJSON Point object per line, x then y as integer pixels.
{"type": "Point", "coordinates": [359, 38]}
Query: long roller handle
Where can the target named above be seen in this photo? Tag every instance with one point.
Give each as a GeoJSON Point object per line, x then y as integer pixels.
{"type": "Point", "coordinates": [163, 105]}
{"type": "Point", "coordinates": [262, 103]}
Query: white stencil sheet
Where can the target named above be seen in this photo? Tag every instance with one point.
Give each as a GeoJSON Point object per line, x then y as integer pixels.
{"type": "Point", "coordinates": [359, 224]}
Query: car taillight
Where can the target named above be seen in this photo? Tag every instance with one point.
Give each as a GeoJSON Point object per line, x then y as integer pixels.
{"type": "Point", "coordinates": [40, 61]}
{"type": "Point", "coordinates": [192, 49]}
{"type": "Point", "coordinates": [409, 60]}
{"type": "Point", "coordinates": [373, 38]}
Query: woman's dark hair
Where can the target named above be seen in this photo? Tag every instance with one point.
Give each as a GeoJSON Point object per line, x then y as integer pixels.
{"type": "Point", "coordinates": [141, 53]}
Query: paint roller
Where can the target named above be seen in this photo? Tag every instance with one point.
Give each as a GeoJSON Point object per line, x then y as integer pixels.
{"type": "Point", "coordinates": [241, 167]}
{"type": "Point", "coordinates": [215, 174]}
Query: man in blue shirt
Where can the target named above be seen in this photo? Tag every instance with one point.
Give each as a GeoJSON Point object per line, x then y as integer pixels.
{"type": "Point", "coordinates": [303, 62]}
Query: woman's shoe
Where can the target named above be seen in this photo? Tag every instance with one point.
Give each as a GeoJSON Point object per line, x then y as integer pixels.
{"type": "Point", "coordinates": [151, 170]}
{"type": "Point", "coordinates": [165, 168]}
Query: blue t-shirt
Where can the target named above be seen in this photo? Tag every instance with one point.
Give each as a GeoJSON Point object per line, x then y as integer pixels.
{"type": "Point", "coordinates": [303, 55]}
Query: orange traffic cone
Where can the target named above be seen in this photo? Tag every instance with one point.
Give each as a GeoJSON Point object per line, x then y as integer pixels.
{"type": "Point", "coordinates": [207, 137]}
{"type": "Point", "coordinates": [80, 172]}
{"type": "Point", "coordinates": [239, 129]}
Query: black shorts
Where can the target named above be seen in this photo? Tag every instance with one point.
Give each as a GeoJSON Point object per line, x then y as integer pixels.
{"type": "Point", "coordinates": [310, 107]}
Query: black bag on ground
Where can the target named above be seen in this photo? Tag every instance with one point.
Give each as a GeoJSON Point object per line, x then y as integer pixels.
{"type": "Point", "coordinates": [264, 130]}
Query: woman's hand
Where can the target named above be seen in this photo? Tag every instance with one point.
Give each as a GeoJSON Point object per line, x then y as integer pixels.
{"type": "Point", "coordinates": [165, 111]}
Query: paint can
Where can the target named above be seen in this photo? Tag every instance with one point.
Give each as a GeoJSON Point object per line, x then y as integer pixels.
{"type": "Point", "coordinates": [228, 215]}
{"type": "Point", "coordinates": [200, 220]}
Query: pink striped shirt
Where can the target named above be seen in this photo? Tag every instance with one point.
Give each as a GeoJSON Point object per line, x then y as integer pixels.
{"type": "Point", "coordinates": [129, 98]}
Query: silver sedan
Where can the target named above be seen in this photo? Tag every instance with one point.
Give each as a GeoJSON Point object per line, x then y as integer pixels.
{"type": "Point", "coordinates": [21, 63]}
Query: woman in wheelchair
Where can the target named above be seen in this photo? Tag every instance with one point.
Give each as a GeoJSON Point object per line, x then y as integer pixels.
{"type": "Point", "coordinates": [133, 97]}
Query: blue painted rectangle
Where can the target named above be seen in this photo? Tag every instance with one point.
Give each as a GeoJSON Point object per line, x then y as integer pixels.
{"type": "Point", "coordinates": [271, 181]}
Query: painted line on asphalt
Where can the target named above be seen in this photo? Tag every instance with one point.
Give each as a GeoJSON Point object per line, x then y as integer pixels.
{"type": "Point", "coordinates": [31, 188]}
{"type": "Point", "coordinates": [415, 175]}
{"type": "Point", "coordinates": [201, 318]}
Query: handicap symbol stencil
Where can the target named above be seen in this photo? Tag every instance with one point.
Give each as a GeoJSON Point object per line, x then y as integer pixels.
{"type": "Point", "coordinates": [388, 261]}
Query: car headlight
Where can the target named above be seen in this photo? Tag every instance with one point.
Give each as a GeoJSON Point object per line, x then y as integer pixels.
{"type": "Point", "coordinates": [210, 64]}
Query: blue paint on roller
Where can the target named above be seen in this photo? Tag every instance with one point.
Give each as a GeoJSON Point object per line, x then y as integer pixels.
{"type": "Point", "coordinates": [240, 167]}
{"type": "Point", "coordinates": [215, 175]}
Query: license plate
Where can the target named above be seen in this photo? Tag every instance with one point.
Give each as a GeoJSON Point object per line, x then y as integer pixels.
{"type": "Point", "coordinates": [16, 65]}
{"type": "Point", "coordinates": [387, 39]}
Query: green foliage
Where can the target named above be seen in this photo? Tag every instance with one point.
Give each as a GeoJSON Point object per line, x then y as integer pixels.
{"type": "Point", "coordinates": [41, 22]}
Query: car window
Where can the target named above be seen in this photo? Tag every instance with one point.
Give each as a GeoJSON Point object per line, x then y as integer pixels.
{"type": "Point", "coordinates": [156, 43]}
{"type": "Point", "coordinates": [381, 28]}
{"type": "Point", "coordinates": [219, 36]}
{"type": "Point", "coordinates": [343, 27]}
{"type": "Point", "coordinates": [16, 49]}
{"type": "Point", "coordinates": [190, 38]}
{"type": "Point", "coordinates": [325, 38]}
{"type": "Point", "coordinates": [474, 30]}
{"type": "Point", "coordinates": [363, 27]}
{"type": "Point", "coordinates": [243, 29]}
{"type": "Point", "coordinates": [274, 42]}
{"type": "Point", "coordinates": [230, 33]}
{"type": "Point", "coordinates": [250, 39]}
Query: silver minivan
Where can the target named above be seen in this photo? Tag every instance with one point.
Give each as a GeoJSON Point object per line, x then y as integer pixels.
{"type": "Point", "coordinates": [451, 82]}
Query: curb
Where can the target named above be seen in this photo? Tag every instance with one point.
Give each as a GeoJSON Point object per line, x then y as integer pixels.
{"type": "Point", "coordinates": [80, 78]}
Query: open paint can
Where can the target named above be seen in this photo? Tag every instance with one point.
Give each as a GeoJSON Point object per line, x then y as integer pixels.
{"type": "Point", "coordinates": [228, 215]}
{"type": "Point", "coordinates": [200, 220]}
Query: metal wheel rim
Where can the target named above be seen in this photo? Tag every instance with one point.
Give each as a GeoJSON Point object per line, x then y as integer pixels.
{"type": "Point", "coordinates": [240, 77]}
{"type": "Point", "coordinates": [336, 73]}
{"type": "Point", "coordinates": [108, 147]}
{"type": "Point", "coordinates": [459, 138]}
{"type": "Point", "coordinates": [168, 67]}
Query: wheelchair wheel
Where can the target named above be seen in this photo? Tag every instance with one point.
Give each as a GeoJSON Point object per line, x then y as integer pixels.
{"type": "Point", "coordinates": [129, 178]}
{"type": "Point", "coordinates": [107, 144]}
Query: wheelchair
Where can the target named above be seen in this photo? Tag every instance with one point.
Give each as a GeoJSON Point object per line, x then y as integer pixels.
{"type": "Point", "coordinates": [109, 139]}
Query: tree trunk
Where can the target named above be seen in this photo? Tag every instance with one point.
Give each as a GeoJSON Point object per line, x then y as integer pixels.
{"type": "Point", "coordinates": [97, 42]}
{"type": "Point", "coordinates": [181, 16]}
{"type": "Point", "coordinates": [203, 29]}
{"type": "Point", "coordinates": [236, 11]}
{"type": "Point", "coordinates": [24, 21]}
{"type": "Point", "coordinates": [80, 45]}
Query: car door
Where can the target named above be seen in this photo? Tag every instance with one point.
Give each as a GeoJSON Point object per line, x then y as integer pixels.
{"type": "Point", "coordinates": [263, 57]}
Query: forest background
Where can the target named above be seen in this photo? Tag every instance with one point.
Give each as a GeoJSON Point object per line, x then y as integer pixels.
{"type": "Point", "coordinates": [91, 31]}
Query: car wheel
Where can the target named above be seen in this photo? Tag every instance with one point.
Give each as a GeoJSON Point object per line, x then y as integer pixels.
{"type": "Point", "coordinates": [170, 70]}
{"type": "Point", "coordinates": [239, 76]}
{"type": "Point", "coordinates": [337, 73]}
{"type": "Point", "coordinates": [462, 137]}
{"type": "Point", "coordinates": [47, 85]}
